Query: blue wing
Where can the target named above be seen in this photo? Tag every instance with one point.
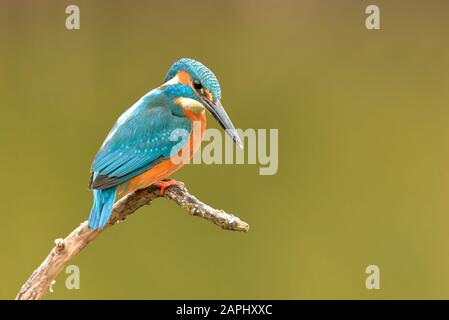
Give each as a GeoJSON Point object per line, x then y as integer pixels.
{"type": "Point", "coordinates": [142, 137]}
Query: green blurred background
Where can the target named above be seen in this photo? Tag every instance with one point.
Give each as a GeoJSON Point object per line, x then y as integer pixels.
{"type": "Point", "coordinates": [363, 147]}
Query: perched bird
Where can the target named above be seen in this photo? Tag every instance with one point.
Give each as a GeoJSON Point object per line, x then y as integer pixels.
{"type": "Point", "coordinates": [140, 148]}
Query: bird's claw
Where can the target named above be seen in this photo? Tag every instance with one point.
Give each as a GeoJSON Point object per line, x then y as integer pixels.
{"type": "Point", "coordinates": [164, 184]}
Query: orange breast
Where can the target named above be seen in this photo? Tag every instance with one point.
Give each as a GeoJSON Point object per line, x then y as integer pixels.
{"type": "Point", "coordinates": [169, 166]}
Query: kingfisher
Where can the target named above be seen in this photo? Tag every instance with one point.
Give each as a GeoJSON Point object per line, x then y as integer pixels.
{"type": "Point", "coordinates": [166, 124]}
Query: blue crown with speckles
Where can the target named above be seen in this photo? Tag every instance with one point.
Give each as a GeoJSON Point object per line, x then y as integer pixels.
{"type": "Point", "coordinates": [197, 71]}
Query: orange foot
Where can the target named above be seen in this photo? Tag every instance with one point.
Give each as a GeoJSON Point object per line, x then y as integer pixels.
{"type": "Point", "coordinates": [164, 184]}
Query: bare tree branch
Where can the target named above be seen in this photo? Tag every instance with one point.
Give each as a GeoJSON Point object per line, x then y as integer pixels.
{"type": "Point", "coordinates": [40, 282]}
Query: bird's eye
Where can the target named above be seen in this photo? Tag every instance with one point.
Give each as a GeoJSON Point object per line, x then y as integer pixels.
{"type": "Point", "coordinates": [197, 84]}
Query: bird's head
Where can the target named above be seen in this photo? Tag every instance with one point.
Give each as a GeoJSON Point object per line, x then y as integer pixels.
{"type": "Point", "coordinates": [195, 88]}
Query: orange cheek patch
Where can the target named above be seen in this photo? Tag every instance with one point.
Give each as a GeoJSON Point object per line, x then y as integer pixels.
{"type": "Point", "coordinates": [208, 95]}
{"type": "Point", "coordinates": [195, 116]}
{"type": "Point", "coordinates": [184, 77]}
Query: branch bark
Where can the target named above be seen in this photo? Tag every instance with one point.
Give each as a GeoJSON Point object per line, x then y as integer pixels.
{"type": "Point", "coordinates": [41, 280]}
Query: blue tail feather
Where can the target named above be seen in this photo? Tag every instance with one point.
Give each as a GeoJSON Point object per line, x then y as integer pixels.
{"type": "Point", "coordinates": [101, 209]}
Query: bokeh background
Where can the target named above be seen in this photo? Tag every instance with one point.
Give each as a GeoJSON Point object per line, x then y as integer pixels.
{"type": "Point", "coordinates": [363, 147]}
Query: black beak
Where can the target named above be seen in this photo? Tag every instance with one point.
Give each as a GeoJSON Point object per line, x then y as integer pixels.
{"type": "Point", "coordinates": [219, 113]}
